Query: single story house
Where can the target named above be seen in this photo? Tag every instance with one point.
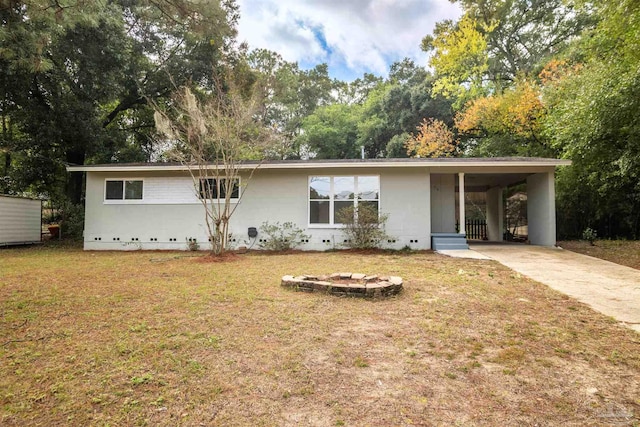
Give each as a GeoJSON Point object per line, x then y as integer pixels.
{"type": "Point", "coordinates": [157, 206]}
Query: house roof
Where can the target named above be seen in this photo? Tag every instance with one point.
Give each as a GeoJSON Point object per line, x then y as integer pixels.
{"type": "Point", "coordinates": [447, 162]}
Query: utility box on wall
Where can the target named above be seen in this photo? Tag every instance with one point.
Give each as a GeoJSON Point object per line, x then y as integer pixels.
{"type": "Point", "coordinates": [20, 220]}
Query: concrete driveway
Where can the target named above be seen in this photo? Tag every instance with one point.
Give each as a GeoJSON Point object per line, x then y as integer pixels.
{"type": "Point", "coordinates": [610, 288]}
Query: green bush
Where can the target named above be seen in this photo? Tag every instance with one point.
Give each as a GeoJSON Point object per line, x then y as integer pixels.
{"type": "Point", "coordinates": [192, 244]}
{"type": "Point", "coordinates": [281, 237]}
{"type": "Point", "coordinates": [72, 221]}
{"type": "Point", "coordinates": [363, 226]}
{"type": "Point", "coordinates": [590, 235]}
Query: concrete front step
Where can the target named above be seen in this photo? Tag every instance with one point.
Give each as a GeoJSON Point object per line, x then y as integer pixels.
{"type": "Point", "coordinates": [448, 241]}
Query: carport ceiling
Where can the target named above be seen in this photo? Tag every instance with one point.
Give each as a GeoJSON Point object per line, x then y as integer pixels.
{"type": "Point", "coordinates": [481, 182]}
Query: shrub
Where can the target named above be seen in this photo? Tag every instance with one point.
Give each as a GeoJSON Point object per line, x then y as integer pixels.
{"type": "Point", "coordinates": [192, 244]}
{"type": "Point", "coordinates": [590, 235]}
{"type": "Point", "coordinates": [363, 226]}
{"type": "Point", "coordinates": [72, 221]}
{"type": "Point", "coordinates": [281, 237]}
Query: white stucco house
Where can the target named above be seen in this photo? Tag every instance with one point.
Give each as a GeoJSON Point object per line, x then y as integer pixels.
{"type": "Point", "coordinates": [156, 205]}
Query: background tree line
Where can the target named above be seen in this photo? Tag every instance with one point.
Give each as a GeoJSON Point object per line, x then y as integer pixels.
{"type": "Point", "coordinates": [80, 80]}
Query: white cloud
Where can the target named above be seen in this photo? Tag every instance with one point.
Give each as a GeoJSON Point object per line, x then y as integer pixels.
{"type": "Point", "coordinates": [352, 36]}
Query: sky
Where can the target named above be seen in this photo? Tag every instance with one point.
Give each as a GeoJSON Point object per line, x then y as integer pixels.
{"type": "Point", "coordinates": [351, 36]}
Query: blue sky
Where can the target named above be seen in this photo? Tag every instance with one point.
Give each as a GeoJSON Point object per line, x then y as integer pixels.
{"type": "Point", "coordinates": [351, 36]}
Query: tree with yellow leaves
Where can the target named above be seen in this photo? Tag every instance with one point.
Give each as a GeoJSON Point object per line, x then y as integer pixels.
{"type": "Point", "coordinates": [433, 139]}
{"type": "Point", "coordinates": [459, 59]}
{"type": "Point", "coordinates": [510, 123]}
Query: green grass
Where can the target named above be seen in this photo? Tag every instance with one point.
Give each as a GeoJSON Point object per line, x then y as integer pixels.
{"type": "Point", "coordinates": [155, 338]}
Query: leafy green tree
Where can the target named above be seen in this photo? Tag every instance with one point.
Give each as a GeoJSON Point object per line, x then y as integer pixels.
{"type": "Point", "coordinates": [593, 120]}
{"type": "Point", "coordinates": [393, 107]}
{"type": "Point", "coordinates": [331, 132]}
{"type": "Point", "coordinates": [460, 58]}
{"type": "Point", "coordinates": [496, 41]}
{"type": "Point", "coordinates": [522, 35]}
{"type": "Point", "coordinates": [77, 76]}
{"type": "Point", "coordinates": [397, 106]}
{"type": "Point", "coordinates": [289, 95]}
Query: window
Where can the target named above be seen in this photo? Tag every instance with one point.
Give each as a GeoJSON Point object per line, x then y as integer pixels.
{"type": "Point", "coordinates": [329, 194]}
{"type": "Point", "coordinates": [123, 190]}
{"type": "Point", "coordinates": [212, 188]}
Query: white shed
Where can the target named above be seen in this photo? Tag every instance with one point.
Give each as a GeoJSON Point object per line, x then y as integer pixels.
{"type": "Point", "coordinates": [20, 220]}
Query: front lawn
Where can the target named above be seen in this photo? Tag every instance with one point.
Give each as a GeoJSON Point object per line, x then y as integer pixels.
{"type": "Point", "coordinates": [156, 338]}
{"type": "Point", "coordinates": [623, 252]}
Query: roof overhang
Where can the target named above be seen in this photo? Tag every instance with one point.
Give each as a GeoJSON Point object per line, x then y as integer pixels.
{"type": "Point", "coordinates": [446, 164]}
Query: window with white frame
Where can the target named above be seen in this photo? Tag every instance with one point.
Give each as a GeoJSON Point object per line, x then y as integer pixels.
{"type": "Point", "coordinates": [123, 189]}
{"type": "Point", "coordinates": [213, 188]}
{"type": "Point", "coordinates": [330, 194]}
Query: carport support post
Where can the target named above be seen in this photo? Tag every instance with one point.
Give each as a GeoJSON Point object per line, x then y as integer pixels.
{"type": "Point", "coordinates": [495, 214]}
{"type": "Point", "coordinates": [463, 221]}
{"type": "Point", "coordinates": [541, 209]}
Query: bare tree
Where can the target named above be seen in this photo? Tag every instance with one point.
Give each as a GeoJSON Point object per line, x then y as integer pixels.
{"type": "Point", "coordinates": [213, 133]}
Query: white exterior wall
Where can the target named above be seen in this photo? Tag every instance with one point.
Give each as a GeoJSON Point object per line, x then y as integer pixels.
{"type": "Point", "coordinates": [20, 220]}
{"type": "Point", "coordinates": [170, 209]}
{"type": "Point", "coordinates": [495, 214]}
{"type": "Point", "coordinates": [541, 209]}
{"type": "Point", "coordinates": [443, 203]}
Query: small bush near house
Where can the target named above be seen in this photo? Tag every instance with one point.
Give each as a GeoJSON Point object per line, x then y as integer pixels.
{"type": "Point", "coordinates": [590, 235]}
{"type": "Point", "coordinates": [363, 226]}
{"type": "Point", "coordinates": [192, 244]}
{"type": "Point", "coordinates": [72, 221]}
{"type": "Point", "coordinates": [281, 237]}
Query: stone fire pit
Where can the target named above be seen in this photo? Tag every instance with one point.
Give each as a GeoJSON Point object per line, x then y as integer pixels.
{"type": "Point", "coordinates": [346, 284]}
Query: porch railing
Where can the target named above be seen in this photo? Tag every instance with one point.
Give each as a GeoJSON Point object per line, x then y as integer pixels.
{"type": "Point", "coordinates": [476, 229]}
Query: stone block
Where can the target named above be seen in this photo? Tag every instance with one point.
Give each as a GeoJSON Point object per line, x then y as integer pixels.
{"type": "Point", "coordinates": [305, 286]}
{"type": "Point", "coordinates": [321, 285]}
{"type": "Point", "coordinates": [291, 283]}
{"type": "Point", "coordinates": [334, 276]}
{"type": "Point", "coordinates": [356, 289]}
{"type": "Point", "coordinates": [370, 278]}
{"type": "Point", "coordinates": [395, 280]}
{"type": "Point", "coordinates": [345, 275]}
{"type": "Point", "coordinates": [338, 288]}
{"type": "Point", "coordinates": [358, 276]}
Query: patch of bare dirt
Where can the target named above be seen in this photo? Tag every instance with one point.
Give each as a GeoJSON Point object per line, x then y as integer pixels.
{"type": "Point", "coordinates": [212, 258]}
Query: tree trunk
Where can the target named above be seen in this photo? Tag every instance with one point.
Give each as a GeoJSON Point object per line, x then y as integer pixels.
{"type": "Point", "coordinates": [73, 188]}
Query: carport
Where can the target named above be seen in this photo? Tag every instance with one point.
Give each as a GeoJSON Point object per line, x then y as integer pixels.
{"type": "Point", "coordinates": [450, 184]}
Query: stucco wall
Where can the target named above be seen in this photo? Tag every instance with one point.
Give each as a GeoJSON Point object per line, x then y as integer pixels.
{"type": "Point", "coordinates": [171, 210]}
{"type": "Point", "coordinates": [443, 203]}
